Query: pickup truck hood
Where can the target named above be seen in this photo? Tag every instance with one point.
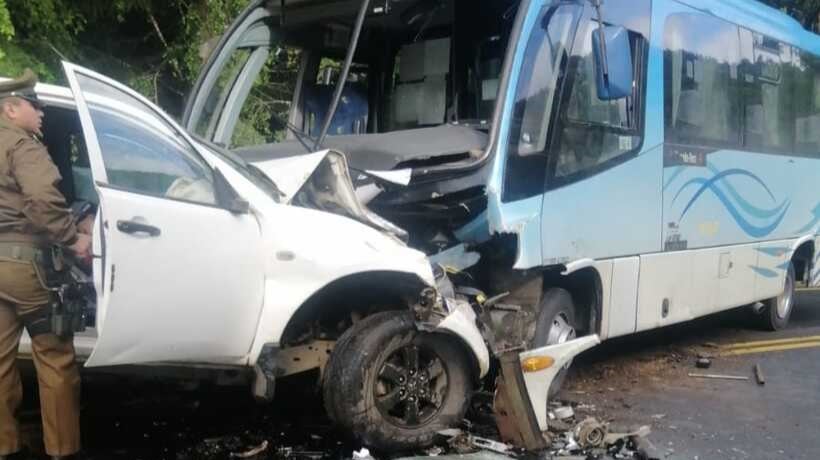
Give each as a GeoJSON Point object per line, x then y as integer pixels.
{"type": "Point", "coordinates": [322, 181]}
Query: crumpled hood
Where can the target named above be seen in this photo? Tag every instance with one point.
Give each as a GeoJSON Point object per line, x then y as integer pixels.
{"type": "Point", "coordinates": [322, 181]}
{"type": "Point", "coordinates": [290, 174]}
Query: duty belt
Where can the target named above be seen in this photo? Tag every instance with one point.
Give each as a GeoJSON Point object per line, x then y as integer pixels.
{"type": "Point", "coordinates": [22, 252]}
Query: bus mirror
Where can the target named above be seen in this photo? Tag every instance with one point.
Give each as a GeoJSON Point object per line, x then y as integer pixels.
{"type": "Point", "coordinates": [613, 62]}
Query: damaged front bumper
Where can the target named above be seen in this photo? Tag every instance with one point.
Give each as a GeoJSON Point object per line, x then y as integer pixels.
{"type": "Point", "coordinates": [522, 390]}
{"type": "Point", "coordinates": [440, 310]}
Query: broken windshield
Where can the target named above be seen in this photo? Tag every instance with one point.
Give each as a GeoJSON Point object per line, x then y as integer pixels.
{"type": "Point", "coordinates": [418, 64]}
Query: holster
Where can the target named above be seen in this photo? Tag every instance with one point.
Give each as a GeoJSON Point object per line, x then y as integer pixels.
{"type": "Point", "coordinates": [67, 309]}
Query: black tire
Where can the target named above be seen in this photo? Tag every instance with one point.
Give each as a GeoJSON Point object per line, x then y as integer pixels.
{"type": "Point", "coordinates": [776, 312]}
{"type": "Point", "coordinates": [371, 386]}
{"type": "Point", "coordinates": [556, 323]}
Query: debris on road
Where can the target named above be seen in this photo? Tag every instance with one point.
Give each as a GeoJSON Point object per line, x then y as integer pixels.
{"type": "Point", "coordinates": [252, 452]}
{"type": "Point", "coordinates": [562, 413]}
{"type": "Point", "coordinates": [592, 438]}
{"type": "Point", "coordinates": [462, 442]}
{"type": "Point", "coordinates": [362, 454]}
{"type": "Point", "coordinates": [482, 455]}
{"type": "Point", "coordinates": [590, 433]}
{"type": "Point", "coordinates": [703, 363]}
{"type": "Point", "coordinates": [761, 380]}
{"type": "Point", "coordinates": [719, 376]}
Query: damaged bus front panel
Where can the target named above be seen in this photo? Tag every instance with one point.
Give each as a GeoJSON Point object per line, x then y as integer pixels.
{"type": "Point", "coordinates": [419, 101]}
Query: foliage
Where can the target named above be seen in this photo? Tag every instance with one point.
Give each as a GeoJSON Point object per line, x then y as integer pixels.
{"type": "Point", "coordinates": [153, 45]}
{"type": "Point", "coordinates": [805, 11]}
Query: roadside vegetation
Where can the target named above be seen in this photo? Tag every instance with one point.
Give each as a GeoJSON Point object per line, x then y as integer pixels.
{"type": "Point", "coordinates": [154, 46]}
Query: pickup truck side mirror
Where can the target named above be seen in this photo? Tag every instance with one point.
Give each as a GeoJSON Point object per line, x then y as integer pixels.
{"type": "Point", "coordinates": [227, 197]}
{"type": "Point", "coordinates": [613, 62]}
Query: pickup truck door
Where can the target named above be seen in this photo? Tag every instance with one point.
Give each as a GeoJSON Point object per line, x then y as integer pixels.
{"type": "Point", "coordinates": [181, 278]}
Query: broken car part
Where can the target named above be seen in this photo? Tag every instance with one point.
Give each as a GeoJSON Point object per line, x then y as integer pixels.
{"type": "Point", "coordinates": [540, 366]}
{"type": "Point", "coordinates": [515, 415]}
{"type": "Point", "coordinates": [563, 412]}
{"type": "Point", "coordinates": [591, 433]}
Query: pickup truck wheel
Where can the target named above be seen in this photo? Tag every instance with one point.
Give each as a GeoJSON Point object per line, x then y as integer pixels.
{"type": "Point", "coordinates": [394, 387]}
{"type": "Point", "coordinates": [777, 310]}
{"type": "Point", "coordinates": [556, 323]}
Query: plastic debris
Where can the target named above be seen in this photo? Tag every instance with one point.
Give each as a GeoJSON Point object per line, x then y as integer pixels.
{"type": "Point", "coordinates": [703, 363]}
{"type": "Point", "coordinates": [251, 453]}
{"type": "Point", "coordinates": [564, 412]}
{"type": "Point", "coordinates": [362, 454]}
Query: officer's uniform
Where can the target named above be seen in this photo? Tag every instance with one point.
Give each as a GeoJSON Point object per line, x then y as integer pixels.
{"type": "Point", "coordinates": [33, 217]}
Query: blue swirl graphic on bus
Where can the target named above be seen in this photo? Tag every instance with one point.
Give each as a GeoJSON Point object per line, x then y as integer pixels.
{"type": "Point", "coordinates": [738, 207]}
{"type": "Point", "coordinates": [813, 222]}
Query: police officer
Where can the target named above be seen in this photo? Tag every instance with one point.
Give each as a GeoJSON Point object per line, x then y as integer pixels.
{"type": "Point", "coordinates": [34, 218]}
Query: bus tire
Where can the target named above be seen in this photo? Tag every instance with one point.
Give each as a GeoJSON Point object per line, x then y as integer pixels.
{"type": "Point", "coordinates": [556, 323]}
{"type": "Point", "coordinates": [777, 310]}
{"type": "Point", "coordinates": [394, 387]}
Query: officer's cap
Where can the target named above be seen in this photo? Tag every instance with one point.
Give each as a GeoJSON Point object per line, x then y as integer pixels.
{"type": "Point", "coordinates": [22, 87]}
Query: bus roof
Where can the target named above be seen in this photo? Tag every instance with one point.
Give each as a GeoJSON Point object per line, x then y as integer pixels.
{"type": "Point", "coordinates": [761, 18]}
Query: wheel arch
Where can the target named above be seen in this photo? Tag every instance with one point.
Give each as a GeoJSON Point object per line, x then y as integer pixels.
{"type": "Point", "coordinates": [361, 293]}
{"type": "Point", "coordinates": [586, 289]}
{"type": "Point", "coordinates": [802, 256]}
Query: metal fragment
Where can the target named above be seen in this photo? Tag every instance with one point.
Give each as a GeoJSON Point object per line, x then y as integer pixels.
{"type": "Point", "coordinates": [761, 380]}
{"type": "Point", "coordinates": [591, 433]}
{"type": "Point", "coordinates": [719, 376]}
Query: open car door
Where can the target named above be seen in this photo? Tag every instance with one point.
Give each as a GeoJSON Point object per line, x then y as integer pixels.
{"type": "Point", "coordinates": [181, 277]}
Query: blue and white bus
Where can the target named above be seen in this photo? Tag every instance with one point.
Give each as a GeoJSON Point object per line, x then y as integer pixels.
{"type": "Point", "coordinates": [609, 166]}
{"type": "Point", "coordinates": [692, 195]}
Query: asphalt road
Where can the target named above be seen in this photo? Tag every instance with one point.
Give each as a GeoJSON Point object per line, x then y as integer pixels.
{"type": "Point", "coordinates": [644, 380]}
{"type": "Point", "coordinates": [639, 380]}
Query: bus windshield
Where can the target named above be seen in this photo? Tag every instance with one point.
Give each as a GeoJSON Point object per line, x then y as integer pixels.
{"type": "Point", "coordinates": [418, 64]}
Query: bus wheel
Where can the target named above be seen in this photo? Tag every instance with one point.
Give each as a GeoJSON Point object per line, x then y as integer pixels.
{"type": "Point", "coordinates": [394, 387]}
{"type": "Point", "coordinates": [775, 315]}
{"type": "Point", "coordinates": [556, 323]}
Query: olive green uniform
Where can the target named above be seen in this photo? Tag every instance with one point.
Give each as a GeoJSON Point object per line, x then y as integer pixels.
{"type": "Point", "coordinates": [33, 216]}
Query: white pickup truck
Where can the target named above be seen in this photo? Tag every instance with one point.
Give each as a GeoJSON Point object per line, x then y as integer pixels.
{"type": "Point", "coordinates": [202, 260]}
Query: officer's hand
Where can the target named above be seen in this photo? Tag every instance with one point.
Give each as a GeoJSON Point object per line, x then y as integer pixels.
{"type": "Point", "coordinates": [82, 247]}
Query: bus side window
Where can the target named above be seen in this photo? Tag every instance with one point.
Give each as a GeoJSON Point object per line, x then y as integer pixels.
{"type": "Point", "coordinates": [769, 76]}
{"type": "Point", "coordinates": [702, 100]}
{"type": "Point", "coordinates": [807, 105]}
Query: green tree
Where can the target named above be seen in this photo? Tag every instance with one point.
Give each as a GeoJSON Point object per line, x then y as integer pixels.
{"type": "Point", "coordinates": [152, 45]}
{"type": "Point", "coordinates": [805, 11]}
